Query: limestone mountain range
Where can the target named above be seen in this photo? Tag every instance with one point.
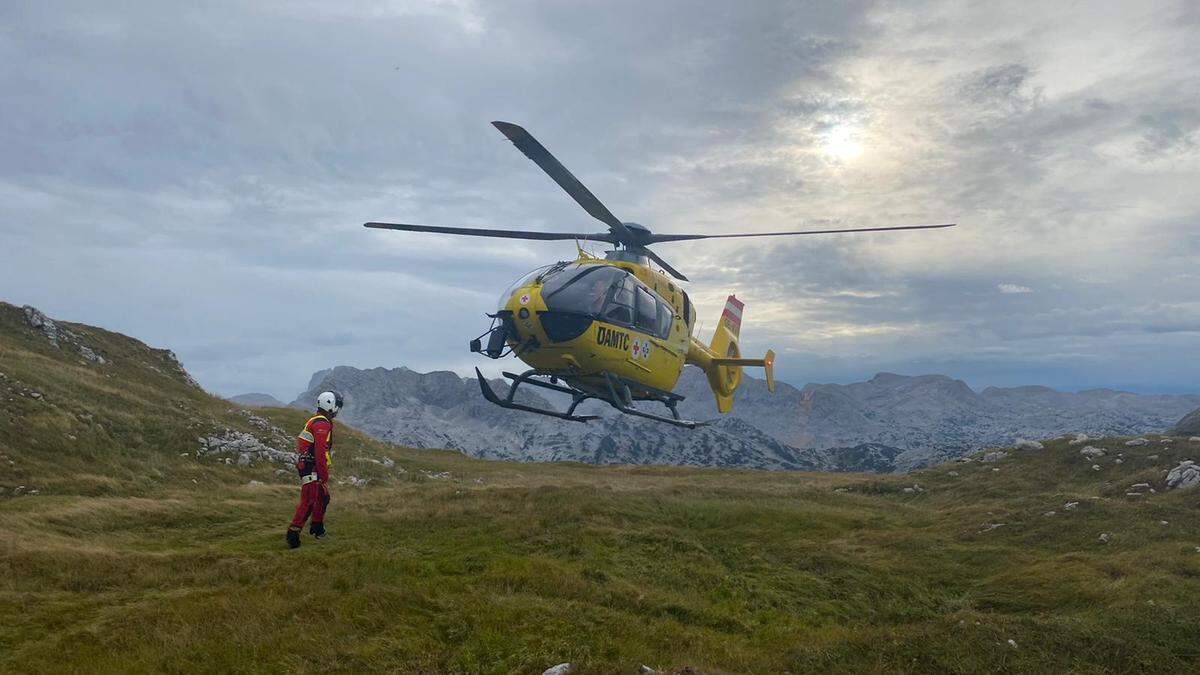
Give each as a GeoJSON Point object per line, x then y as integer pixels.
{"type": "Point", "coordinates": [888, 423]}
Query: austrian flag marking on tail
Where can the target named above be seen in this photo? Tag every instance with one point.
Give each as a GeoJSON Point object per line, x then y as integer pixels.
{"type": "Point", "coordinates": [733, 311]}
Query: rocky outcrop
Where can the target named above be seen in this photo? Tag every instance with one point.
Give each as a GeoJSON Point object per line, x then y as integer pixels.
{"type": "Point", "coordinates": [59, 335]}
{"type": "Point", "coordinates": [1184, 476]}
{"type": "Point", "coordinates": [242, 448]}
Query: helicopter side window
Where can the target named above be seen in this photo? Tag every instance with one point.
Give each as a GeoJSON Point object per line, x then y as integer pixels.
{"type": "Point", "coordinates": [665, 314]}
{"type": "Point", "coordinates": [619, 309]}
{"type": "Point", "coordinates": [687, 309]}
{"type": "Point", "coordinates": [647, 312]}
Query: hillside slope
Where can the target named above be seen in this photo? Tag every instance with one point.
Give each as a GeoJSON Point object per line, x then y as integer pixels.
{"type": "Point", "coordinates": [1188, 426]}
{"type": "Point", "coordinates": [145, 548]}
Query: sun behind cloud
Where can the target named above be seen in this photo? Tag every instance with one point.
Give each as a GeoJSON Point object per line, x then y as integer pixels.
{"type": "Point", "coordinates": [843, 142]}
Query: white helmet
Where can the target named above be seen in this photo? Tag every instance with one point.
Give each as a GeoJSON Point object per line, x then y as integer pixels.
{"type": "Point", "coordinates": [329, 402]}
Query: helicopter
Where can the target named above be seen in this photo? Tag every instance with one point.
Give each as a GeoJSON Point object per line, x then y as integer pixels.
{"type": "Point", "coordinates": [615, 328]}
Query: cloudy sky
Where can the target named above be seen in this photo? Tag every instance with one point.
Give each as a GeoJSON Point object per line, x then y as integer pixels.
{"type": "Point", "coordinates": [196, 175]}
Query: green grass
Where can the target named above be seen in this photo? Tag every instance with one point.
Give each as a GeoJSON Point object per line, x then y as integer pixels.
{"type": "Point", "coordinates": [133, 557]}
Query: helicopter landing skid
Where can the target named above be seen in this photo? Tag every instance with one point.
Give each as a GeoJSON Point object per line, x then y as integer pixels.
{"type": "Point", "coordinates": [621, 398]}
{"type": "Point", "coordinates": [525, 378]}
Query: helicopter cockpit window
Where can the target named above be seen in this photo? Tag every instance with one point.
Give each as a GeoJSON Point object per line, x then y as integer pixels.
{"type": "Point", "coordinates": [580, 290]}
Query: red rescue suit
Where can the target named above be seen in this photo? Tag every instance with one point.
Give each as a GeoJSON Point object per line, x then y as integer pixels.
{"type": "Point", "coordinates": [315, 447]}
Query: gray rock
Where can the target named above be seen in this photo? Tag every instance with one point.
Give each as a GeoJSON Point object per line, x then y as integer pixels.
{"type": "Point", "coordinates": [87, 353]}
{"type": "Point", "coordinates": [1104, 537]}
{"type": "Point", "coordinates": [1070, 505]}
{"type": "Point", "coordinates": [43, 323]}
{"type": "Point", "coordinates": [560, 669]}
{"type": "Point", "coordinates": [1136, 442]}
{"type": "Point", "coordinates": [1024, 444]}
{"type": "Point", "coordinates": [1140, 486]}
{"type": "Point", "coordinates": [244, 446]}
{"type": "Point", "coordinates": [994, 456]}
{"type": "Point", "coordinates": [1079, 438]}
{"type": "Point", "coordinates": [1184, 476]}
{"type": "Point", "coordinates": [1095, 467]}
{"type": "Point", "coordinates": [1092, 452]}
{"type": "Point", "coordinates": [254, 483]}
{"type": "Point", "coordinates": [389, 463]}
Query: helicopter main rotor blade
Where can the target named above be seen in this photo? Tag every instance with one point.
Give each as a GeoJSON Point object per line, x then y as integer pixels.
{"type": "Point", "coordinates": [655, 257]}
{"type": "Point", "coordinates": [503, 234]}
{"type": "Point", "coordinates": [537, 152]}
{"type": "Point", "coordinates": [659, 238]}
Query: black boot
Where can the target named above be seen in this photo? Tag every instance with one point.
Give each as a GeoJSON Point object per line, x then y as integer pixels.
{"type": "Point", "coordinates": [293, 538]}
{"type": "Point", "coordinates": [317, 530]}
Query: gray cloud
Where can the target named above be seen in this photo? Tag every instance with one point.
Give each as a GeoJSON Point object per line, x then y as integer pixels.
{"type": "Point", "coordinates": [197, 177]}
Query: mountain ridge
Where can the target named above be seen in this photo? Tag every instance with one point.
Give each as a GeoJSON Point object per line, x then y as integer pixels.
{"type": "Point", "coordinates": [889, 423]}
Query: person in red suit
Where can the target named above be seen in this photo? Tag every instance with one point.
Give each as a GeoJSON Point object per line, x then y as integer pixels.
{"type": "Point", "coordinates": [315, 449]}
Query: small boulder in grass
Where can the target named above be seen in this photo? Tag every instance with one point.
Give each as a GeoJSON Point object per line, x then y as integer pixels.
{"type": "Point", "coordinates": [1079, 439]}
{"type": "Point", "coordinates": [1091, 452]}
{"type": "Point", "coordinates": [994, 456]}
{"type": "Point", "coordinates": [1104, 537]}
{"type": "Point", "coordinates": [1133, 443]}
{"type": "Point", "coordinates": [1026, 444]}
{"type": "Point", "coordinates": [1194, 439]}
{"type": "Point", "coordinates": [560, 669]}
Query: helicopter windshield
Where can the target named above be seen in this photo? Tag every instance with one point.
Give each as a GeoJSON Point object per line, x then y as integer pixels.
{"type": "Point", "coordinates": [580, 289]}
{"type": "Point", "coordinates": [610, 294]}
{"type": "Point", "coordinates": [525, 280]}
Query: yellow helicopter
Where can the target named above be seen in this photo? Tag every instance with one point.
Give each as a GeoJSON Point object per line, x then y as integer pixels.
{"type": "Point", "coordinates": [613, 328]}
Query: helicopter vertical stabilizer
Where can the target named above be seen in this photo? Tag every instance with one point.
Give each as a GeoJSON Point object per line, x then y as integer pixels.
{"type": "Point", "coordinates": [722, 359]}
{"type": "Point", "coordinates": [724, 379]}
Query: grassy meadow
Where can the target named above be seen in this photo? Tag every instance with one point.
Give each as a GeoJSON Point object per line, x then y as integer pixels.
{"type": "Point", "coordinates": [135, 554]}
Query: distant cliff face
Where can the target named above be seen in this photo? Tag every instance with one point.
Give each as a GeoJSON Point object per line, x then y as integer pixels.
{"type": "Point", "coordinates": [888, 423]}
{"type": "Point", "coordinates": [256, 400]}
{"type": "Point", "coordinates": [1188, 426]}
